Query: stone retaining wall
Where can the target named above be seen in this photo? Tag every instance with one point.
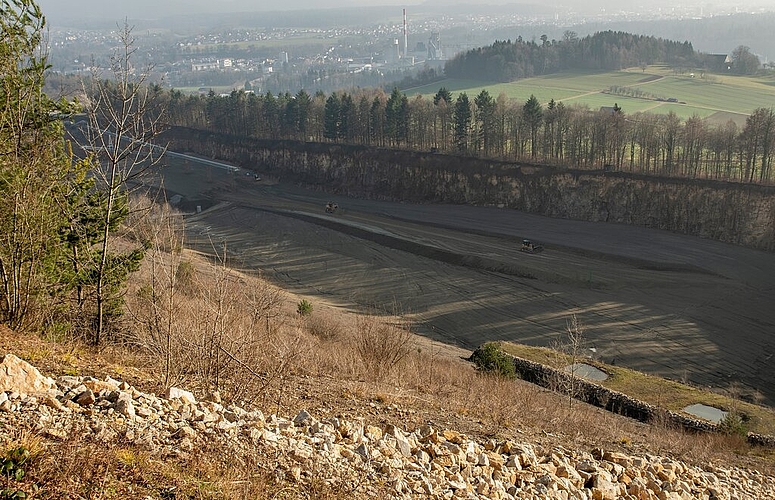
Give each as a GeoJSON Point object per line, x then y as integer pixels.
{"type": "Point", "coordinates": [616, 402]}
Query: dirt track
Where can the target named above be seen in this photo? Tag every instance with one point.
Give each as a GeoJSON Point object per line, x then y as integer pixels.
{"type": "Point", "coordinates": [663, 303]}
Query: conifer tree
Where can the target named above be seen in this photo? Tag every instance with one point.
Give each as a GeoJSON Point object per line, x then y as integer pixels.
{"type": "Point", "coordinates": [124, 119]}
{"type": "Point", "coordinates": [36, 171]}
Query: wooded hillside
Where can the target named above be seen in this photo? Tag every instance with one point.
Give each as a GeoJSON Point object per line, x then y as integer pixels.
{"type": "Point", "coordinates": [497, 128]}
{"type": "Point", "coordinates": [732, 212]}
{"type": "Point", "coordinates": [505, 61]}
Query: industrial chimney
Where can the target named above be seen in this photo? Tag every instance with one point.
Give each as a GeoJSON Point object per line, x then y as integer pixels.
{"type": "Point", "coordinates": [406, 38]}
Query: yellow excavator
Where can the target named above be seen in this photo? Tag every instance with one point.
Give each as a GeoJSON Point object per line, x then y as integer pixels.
{"type": "Point", "coordinates": [529, 246]}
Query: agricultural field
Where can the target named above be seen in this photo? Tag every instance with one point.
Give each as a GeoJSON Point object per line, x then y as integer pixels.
{"type": "Point", "coordinates": [718, 97]}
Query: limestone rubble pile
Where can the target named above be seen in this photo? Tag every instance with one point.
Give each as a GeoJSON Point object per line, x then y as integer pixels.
{"type": "Point", "coordinates": [371, 460]}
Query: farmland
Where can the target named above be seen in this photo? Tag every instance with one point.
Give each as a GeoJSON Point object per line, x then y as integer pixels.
{"type": "Point", "coordinates": [718, 97]}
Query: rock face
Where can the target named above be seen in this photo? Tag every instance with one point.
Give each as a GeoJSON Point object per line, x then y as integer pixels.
{"type": "Point", "coordinates": [20, 376]}
{"type": "Point", "coordinates": [386, 460]}
{"type": "Point", "coordinates": [733, 212]}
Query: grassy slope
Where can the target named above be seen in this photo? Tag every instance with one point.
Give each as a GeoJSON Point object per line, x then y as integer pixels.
{"type": "Point", "coordinates": [327, 377]}
{"type": "Point", "coordinates": [728, 94]}
{"type": "Point", "coordinates": [654, 390]}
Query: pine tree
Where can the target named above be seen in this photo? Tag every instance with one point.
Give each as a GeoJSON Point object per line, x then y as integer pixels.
{"type": "Point", "coordinates": [462, 122]}
{"type": "Point", "coordinates": [533, 115]}
{"type": "Point", "coordinates": [36, 170]}
{"type": "Point", "coordinates": [333, 117]}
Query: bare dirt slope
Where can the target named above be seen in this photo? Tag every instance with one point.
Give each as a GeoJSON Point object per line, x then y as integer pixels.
{"type": "Point", "coordinates": [667, 304]}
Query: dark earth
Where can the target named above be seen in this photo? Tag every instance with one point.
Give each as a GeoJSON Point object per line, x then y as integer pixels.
{"type": "Point", "coordinates": [672, 305]}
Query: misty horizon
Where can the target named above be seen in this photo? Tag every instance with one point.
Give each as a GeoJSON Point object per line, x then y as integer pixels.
{"type": "Point", "coordinates": [60, 13]}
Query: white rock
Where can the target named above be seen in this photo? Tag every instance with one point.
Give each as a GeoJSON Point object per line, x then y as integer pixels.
{"type": "Point", "coordinates": [177, 393]}
{"type": "Point", "coordinates": [19, 376]}
{"type": "Point", "coordinates": [125, 406]}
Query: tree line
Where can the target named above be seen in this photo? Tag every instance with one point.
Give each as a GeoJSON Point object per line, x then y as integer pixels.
{"type": "Point", "coordinates": [505, 61]}
{"type": "Point", "coordinates": [553, 133]}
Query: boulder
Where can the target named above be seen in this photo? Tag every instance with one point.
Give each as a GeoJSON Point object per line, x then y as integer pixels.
{"type": "Point", "coordinates": [19, 376]}
{"type": "Point", "coordinates": [177, 393]}
{"type": "Point", "coordinates": [85, 398]}
{"type": "Point", "coordinates": [97, 386]}
{"type": "Point", "coordinates": [125, 405]}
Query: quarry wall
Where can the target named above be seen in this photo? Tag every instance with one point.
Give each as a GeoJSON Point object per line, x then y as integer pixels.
{"type": "Point", "coordinates": [736, 213]}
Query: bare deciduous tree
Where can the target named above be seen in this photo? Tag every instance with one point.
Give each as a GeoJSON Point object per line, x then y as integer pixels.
{"type": "Point", "coordinates": [569, 349]}
{"type": "Point", "coordinates": [124, 119]}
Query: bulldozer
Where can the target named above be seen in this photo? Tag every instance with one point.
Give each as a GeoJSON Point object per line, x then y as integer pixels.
{"type": "Point", "coordinates": [530, 246]}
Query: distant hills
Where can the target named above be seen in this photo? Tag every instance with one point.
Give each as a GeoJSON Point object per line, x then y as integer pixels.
{"type": "Point", "coordinates": [606, 50]}
{"type": "Point", "coordinates": [709, 34]}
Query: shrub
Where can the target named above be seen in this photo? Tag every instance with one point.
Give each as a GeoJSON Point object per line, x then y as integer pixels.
{"type": "Point", "coordinates": [304, 308]}
{"type": "Point", "coordinates": [491, 358]}
{"type": "Point", "coordinates": [324, 327]}
{"type": "Point", "coordinates": [11, 464]}
{"type": "Point", "coordinates": [733, 424]}
{"type": "Point", "coordinates": [185, 275]}
{"type": "Point", "coordinates": [12, 468]}
{"type": "Point", "coordinates": [382, 345]}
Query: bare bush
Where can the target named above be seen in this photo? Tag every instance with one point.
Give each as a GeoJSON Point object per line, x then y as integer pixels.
{"type": "Point", "coordinates": [212, 326]}
{"type": "Point", "coordinates": [381, 345]}
{"type": "Point", "coordinates": [324, 327]}
{"type": "Point", "coordinates": [569, 352]}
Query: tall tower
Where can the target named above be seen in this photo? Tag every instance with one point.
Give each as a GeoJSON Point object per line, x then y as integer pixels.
{"type": "Point", "coordinates": [406, 38]}
{"type": "Point", "coordinates": [434, 46]}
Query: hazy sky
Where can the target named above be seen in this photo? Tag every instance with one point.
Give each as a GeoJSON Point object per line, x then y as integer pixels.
{"type": "Point", "coordinates": [57, 10]}
{"type": "Point", "coordinates": [60, 11]}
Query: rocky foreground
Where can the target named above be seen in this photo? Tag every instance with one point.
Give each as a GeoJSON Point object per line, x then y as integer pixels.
{"type": "Point", "coordinates": [366, 460]}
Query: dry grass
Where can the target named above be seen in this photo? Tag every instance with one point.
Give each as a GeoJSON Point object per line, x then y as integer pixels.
{"type": "Point", "coordinates": [654, 390]}
{"type": "Point", "coordinates": [237, 334]}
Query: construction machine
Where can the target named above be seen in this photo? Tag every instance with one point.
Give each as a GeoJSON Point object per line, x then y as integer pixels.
{"type": "Point", "coordinates": [530, 246]}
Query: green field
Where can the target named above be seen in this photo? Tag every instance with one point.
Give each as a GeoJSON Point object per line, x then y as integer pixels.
{"type": "Point", "coordinates": [733, 97]}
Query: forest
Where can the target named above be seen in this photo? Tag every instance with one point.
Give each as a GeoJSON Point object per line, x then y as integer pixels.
{"type": "Point", "coordinates": [487, 126]}
{"type": "Point", "coordinates": [505, 61]}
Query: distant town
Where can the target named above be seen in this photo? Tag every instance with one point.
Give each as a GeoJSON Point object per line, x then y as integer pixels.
{"type": "Point", "coordinates": [197, 57]}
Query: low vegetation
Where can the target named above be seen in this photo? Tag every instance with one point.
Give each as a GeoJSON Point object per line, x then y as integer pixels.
{"type": "Point", "coordinates": [103, 285]}
{"type": "Point", "coordinates": [491, 358]}
{"type": "Point", "coordinates": [304, 307]}
{"type": "Point", "coordinates": [657, 391]}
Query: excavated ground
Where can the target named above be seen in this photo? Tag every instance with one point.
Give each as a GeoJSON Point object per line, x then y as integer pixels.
{"type": "Point", "coordinates": [667, 304]}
